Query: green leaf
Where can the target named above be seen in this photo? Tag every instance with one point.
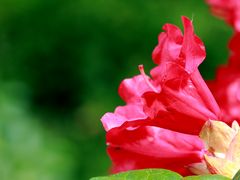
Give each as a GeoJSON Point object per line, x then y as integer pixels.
{"type": "Point", "coordinates": [146, 174]}
{"type": "Point", "coordinates": [237, 176]}
{"type": "Point", "coordinates": [206, 177]}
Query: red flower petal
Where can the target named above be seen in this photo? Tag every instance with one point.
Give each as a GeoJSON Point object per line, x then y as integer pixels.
{"type": "Point", "coordinates": [122, 115]}
{"type": "Point", "coordinates": [169, 44]}
{"type": "Point", "coordinates": [152, 147]}
{"type": "Point", "coordinates": [187, 50]}
{"type": "Point", "coordinates": [193, 50]}
{"type": "Point", "coordinates": [132, 89]}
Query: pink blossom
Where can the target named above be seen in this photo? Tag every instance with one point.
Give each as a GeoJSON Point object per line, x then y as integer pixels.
{"type": "Point", "coordinates": [159, 125]}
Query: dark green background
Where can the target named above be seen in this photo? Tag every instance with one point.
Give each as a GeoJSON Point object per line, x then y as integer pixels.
{"type": "Point", "coordinates": [61, 62]}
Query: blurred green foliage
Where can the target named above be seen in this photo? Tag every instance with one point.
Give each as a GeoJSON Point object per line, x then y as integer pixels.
{"type": "Point", "coordinates": [60, 66]}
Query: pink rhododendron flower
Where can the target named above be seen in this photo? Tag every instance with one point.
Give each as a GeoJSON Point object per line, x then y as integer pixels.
{"type": "Point", "coordinates": [228, 10]}
{"type": "Point", "coordinates": [160, 123]}
{"type": "Point", "coordinates": [172, 120]}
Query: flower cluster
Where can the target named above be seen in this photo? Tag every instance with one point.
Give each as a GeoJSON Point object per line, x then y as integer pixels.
{"type": "Point", "coordinates": [172, 120]}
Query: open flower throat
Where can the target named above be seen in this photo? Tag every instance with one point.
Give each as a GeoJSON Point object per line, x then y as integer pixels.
{"type": "Point", "coordinates": [172, 120]}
